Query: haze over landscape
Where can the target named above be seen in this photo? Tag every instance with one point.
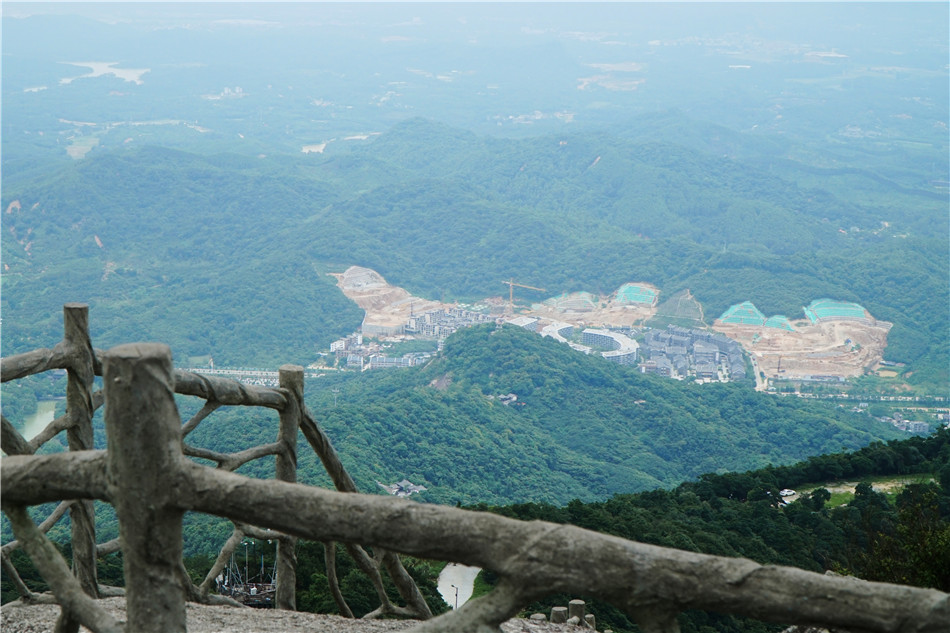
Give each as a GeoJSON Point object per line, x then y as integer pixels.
{"type": "Point", "coordinates": [529, 253]}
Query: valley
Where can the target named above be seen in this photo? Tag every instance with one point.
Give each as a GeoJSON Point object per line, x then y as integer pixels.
{"type": "Point", "coordinates": [830, 350]}
{"type": "Point", "coordinates": [433, 237]}
{"type": "Point", "coordinates": [636, 267]}
{"type": "Point", "coordinates": [211, 230]}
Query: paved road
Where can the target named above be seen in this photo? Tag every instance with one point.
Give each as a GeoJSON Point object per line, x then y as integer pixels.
{"type": "Point", "coordinates": [462, 577]}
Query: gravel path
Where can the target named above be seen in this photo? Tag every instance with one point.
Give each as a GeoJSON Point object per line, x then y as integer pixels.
{"type": "Point", "coordinates": [18, 618]}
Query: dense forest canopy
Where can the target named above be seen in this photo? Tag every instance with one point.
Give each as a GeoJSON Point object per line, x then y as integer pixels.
{"type": "Point", "coordinates": [901, 535]}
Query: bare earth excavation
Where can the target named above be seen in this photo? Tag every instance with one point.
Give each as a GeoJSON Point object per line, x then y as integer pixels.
{"type": "Point", "coordinates": [826, 345]}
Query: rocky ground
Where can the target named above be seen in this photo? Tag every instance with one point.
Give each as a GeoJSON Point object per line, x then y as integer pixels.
{"type": "Point", "coordinates": [17, 618]}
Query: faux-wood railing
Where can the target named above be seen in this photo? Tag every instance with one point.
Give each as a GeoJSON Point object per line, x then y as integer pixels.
{"type": "Point", "coordinates": [146, 474]}
{"type": "Point", "coordinates": [75, 354]}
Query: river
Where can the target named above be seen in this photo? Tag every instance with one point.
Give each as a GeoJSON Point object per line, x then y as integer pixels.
{"type": "Point", "coordinates": [45, 413]}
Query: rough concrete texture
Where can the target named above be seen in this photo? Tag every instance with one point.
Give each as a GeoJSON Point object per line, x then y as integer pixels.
{"type": "Point", "coordinates": [17, 618]}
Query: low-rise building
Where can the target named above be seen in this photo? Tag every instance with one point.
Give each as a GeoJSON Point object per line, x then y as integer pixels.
{"type": "Point", "coordinates": [706, 371]}
{"type": "Point", "coordinates": [346, 343]}
{"type": "Point", "coordinates": [736, 367]}
{"type": "Point", "coordinates": [529, 323]}
{"type": "Point", "coordinates": [622, 349]}
{"type": "Point", "coordinates": [680, 364]}
{"type": "Point", "coordinates": [659, 365]}
{"type": "Point", "coordinates": [705, 352]}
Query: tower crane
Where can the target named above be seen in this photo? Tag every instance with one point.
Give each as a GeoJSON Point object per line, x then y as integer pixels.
{"type": "Point", "coordinates": [511, 292]}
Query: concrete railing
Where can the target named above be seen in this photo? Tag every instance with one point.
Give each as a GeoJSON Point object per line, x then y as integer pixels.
{"type": "Point", "coordinates": [146, 474]}
{"type": "Point", "coordinates": [82, 363]}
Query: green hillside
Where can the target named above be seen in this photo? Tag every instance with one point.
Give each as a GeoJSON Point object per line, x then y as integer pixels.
{"type": "Point", "coordinates": [226, 255]}
{"type": "Point", "coordinates": [169, 246]}
{"type": "Point", "coordinates": [582, 428]}
{"type": "Point", "coordinates": [901, 538]}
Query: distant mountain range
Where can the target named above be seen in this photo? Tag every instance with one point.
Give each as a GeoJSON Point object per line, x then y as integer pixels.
{"type": "Point", "coordinates": [226, 255]}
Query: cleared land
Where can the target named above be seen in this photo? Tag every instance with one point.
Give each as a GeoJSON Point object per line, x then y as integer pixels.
{"type": "Point", "coordinates": [844, 490]}
{"type": "Point", "coordinates": [830, 348]}
{"type": "Point", "coordinates": [592, 311]}
{"type": "Point", "coordinates": [827, 348]}
{"type": "Point", "coordinates": [386, 306]}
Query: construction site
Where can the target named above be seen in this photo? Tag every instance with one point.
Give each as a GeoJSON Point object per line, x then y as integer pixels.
{"type": "Point", "coordinates": [632, 304]}
{"type": "Point", "coordinates": [835, 340]}
{"type": "Point", "coordinates": [388, 308]}
{"type": "Point", "coordinates": [832, 341]}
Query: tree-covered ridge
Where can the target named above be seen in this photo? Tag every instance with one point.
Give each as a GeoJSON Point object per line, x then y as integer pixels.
{"type": "Point", "coordinates": [165, 245]}
{"type": "Point", "coordinates": [903, 538]}
{"type": "Point", "coordinates": [581, 427]}
{"type": "Point", "coordinates": [232, 240]}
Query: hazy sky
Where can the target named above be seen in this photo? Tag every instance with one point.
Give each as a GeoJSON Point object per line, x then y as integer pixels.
{"type": "Point", "coordinates": [351, 68]}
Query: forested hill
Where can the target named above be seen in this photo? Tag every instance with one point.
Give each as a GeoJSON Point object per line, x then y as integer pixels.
{"type": "Point", "coordinates": [725, 215]}
{"type": "Point", "coordinates": [175, 247]}
{"type": "Point", "coordinates": [582, 427]}
{"type": "Point", "coordinates": [900, 536]}
{"type": "Point", "coordinates": [225, 255]}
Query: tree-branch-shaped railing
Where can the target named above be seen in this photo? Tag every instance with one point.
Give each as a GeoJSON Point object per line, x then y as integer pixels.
{"type": "Point", "coordinates": [76, 355]}
{"type": "Point", "coordinates": [148, 477]}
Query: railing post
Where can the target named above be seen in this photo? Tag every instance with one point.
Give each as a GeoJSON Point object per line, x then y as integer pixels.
{"type": "Point", "coordinates": [576, 609]}
{"type": "Point", "coordinates": [79, 408]}
{"type": "Point", "coordinates": [144, 466]}
{"type": "Point", "coordinates": [291, 379]}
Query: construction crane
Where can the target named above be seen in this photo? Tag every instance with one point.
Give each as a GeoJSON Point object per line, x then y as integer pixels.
{"type": "Point", "coordinates": [511, 293]}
